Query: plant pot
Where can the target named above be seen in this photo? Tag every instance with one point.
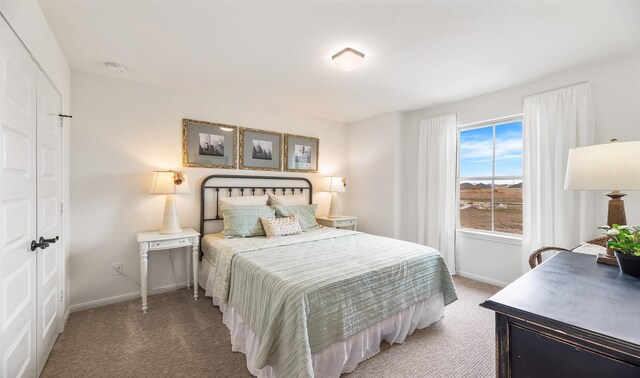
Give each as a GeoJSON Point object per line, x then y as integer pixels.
{"type": "Point", "coordinates": [628, 264]}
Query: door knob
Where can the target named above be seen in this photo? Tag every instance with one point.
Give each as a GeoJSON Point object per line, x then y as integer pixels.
{"type": "Point", "coordinates": [35, 245]}
{"type": "Point", "coordinates": [52, 240]}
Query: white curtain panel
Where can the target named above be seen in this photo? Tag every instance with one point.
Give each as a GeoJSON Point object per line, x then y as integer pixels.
{"type": "Point", "coordinates": [553, 123]}
{"type": "Point", "coordinates": [437, 186]}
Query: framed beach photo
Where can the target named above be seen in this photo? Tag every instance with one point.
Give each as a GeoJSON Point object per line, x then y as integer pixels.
{"type": "Point", "coordinates": [208, 145]}
{"type": "Point", "coordinates": [260, 150]}
{"type": "Point", "coordinates": [301, 153]}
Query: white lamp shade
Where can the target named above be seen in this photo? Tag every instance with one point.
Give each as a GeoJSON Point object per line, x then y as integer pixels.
{"type": "Point", "coordinates": [164, 182]}
{"type": "Point", "coordinates": [611, 166]}
{"type": "Point", "coordinates": [334, 184]}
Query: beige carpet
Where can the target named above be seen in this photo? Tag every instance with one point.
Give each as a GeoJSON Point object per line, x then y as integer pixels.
{"type": "Point", "coordinates": [179, 337]}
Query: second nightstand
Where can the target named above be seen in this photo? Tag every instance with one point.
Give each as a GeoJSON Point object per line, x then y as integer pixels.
{"type": "Point", "coordinates": [343, 221]}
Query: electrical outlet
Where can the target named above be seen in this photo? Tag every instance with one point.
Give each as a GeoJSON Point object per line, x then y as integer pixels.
{"type": "Point", "coordinates": [116, 268]}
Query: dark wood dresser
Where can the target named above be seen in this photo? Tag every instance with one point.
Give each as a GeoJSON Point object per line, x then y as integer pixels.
{"type": "Point", "coordinates": [569, 317]}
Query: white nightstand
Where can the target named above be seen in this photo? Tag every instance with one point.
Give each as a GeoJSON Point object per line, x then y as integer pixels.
{"type": "Point", "coordinates": [155, 241]}
{"type": "Point", "coordinates": [343, 221]}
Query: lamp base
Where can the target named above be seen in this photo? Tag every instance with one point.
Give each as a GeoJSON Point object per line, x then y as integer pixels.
{"type": "Point", "coordinates": [333, 209]}
{"type": "Point", "coordinates": [606, 259]}
{"type": "Point", "coordinates": [615, 215]}
{"type": "Point", "coordinates": [170, 223]}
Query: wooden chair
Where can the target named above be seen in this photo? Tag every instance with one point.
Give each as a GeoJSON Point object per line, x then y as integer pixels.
{"type": "Point", "coordinates": [536, 257]}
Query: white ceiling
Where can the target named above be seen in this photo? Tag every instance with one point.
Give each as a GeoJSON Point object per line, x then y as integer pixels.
{"type": "Point", "coordinates": [417, 53]}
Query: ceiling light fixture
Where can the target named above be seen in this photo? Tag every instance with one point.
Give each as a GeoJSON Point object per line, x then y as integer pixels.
{"type": "Point", "coordinates": [115, 67]}
{"type": "Point", "coordinates": [348, 59]}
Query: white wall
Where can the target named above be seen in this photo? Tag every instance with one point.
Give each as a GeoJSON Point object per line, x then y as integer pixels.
{"type": "Point", "coordinates": [28, 21]}
{"type": "Point", "coordinates": [616, 90]}
{"type": "Point", "coordinates": [123, 132]}
{"type": "Point", "coordinates": [373, 157]}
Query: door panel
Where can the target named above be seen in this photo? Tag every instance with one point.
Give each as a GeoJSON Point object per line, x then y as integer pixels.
{"type": "Point", "coordinates": [15, 227]}
{"type": "Point", "coordinates": [16, 147]}
{"type": "Point", "coordinates": [18, 84]}
{"type": "Point", "coordinates": [49, 154]}
{"type": "Point", "coordinates": [18, 358]}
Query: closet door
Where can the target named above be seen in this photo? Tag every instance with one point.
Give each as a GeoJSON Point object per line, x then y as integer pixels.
{"type": "Point", "coordinates": [49, 218]}
{"type": "Point", "coordinates": [17, 208]}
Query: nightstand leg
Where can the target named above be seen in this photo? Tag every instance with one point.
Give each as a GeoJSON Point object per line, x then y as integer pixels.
{"type": "Point", "coordinates": [143, 276]}
{"type": "Point", "coordinates": [188, 270]}
{"type": "Point", "coordinates": [194, 258]}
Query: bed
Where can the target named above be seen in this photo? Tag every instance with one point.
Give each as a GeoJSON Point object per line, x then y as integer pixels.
{"type": "Point", "coordinates": [318, 303]}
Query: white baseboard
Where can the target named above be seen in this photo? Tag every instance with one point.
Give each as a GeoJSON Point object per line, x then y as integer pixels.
{"type": "Point", "coordinates": [122, 298]}
{"type": "Point", "coordinates": [66, 316]}
{"type": "Point", "coordinates": [484, 279]}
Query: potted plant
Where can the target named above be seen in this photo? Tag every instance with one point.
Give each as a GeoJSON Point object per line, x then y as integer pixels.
{"type": "Point", "coordinates": [625, 242]}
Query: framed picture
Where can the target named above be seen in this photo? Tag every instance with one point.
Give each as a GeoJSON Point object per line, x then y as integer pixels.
{"type": "Point", "coordinates": [260, 150]}
{"type": "Point", "coordinates": [301, 153]}
{"type": "Point", "coordinates": [208, 145]}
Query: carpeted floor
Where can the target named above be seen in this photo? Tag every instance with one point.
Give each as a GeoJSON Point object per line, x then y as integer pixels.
{"type": "Point", "coordinates": [179, 337]}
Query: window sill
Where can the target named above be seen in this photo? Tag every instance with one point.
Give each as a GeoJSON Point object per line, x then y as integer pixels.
{"type": "Point", "coordinates": [497, 237]}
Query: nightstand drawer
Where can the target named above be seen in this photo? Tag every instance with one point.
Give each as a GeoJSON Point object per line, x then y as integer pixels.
{"type": "Point", "coordinates": [165, 244]}
{"type": "Point", "coordinates": [345, 223]}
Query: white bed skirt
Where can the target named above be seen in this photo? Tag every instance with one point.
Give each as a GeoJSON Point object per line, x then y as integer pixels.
{"type": "Point", "coordinates": [342, 356]}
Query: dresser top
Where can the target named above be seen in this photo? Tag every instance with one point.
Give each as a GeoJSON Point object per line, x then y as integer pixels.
{"type": "Point", "coordinates": [572, 290]}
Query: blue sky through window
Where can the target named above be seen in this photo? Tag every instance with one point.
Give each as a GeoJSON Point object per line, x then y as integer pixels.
{"type": "Point", "coordinates": [476, 151]}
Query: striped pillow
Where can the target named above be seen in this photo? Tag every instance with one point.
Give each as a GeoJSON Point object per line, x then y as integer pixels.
{"type": "Point", "coordinates": [281, 226]}
{"type": "Point", "coordinates": [244, 221]}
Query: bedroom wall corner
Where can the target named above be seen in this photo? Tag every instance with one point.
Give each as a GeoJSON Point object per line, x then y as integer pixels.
{"type": "Point", "coordinates": [123, 131]}
{"type": "Point", "coordinates": [400, 177]}
{"type": "Point", "coordinates": [373, 165]}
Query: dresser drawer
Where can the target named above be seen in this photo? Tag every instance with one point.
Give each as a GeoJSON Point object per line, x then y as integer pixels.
{"type": "Point", "coordinates": [536, 355]}
{"type": "Point", "coordinates": [166, 244]}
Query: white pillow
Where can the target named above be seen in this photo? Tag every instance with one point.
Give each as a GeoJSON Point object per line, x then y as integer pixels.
{"type": "Point", "coordinates": [242, 201]}
{"type": "Point", "coordinates": [281, 226]}
{"type": "Point", "coordinates": [288, 200]}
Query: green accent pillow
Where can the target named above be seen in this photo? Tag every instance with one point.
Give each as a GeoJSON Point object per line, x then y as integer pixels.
{"type": "Point", "coordinates": [244, 221]}
{"type": "Point", "coordinates": [306, 215]}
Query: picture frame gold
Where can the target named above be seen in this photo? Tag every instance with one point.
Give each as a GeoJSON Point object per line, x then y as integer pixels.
{"type": "Point", "coordinates": [223, 155]}
{"type": "Point", "coordinates": [292, 158]}
{"type": "Point", "coordinates": [250, 159]}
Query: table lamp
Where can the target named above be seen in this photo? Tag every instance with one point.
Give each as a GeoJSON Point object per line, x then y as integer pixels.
{"type": "Point", "coordinates": [335, 185]}
{"type": "Point", "coordinates": [170, 183]}
{"type": "Point", "coordinates": [612, 167]}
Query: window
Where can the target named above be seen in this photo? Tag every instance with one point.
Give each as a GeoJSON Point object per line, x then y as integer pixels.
{"type": "Point", "coordinates": [490, 176]}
